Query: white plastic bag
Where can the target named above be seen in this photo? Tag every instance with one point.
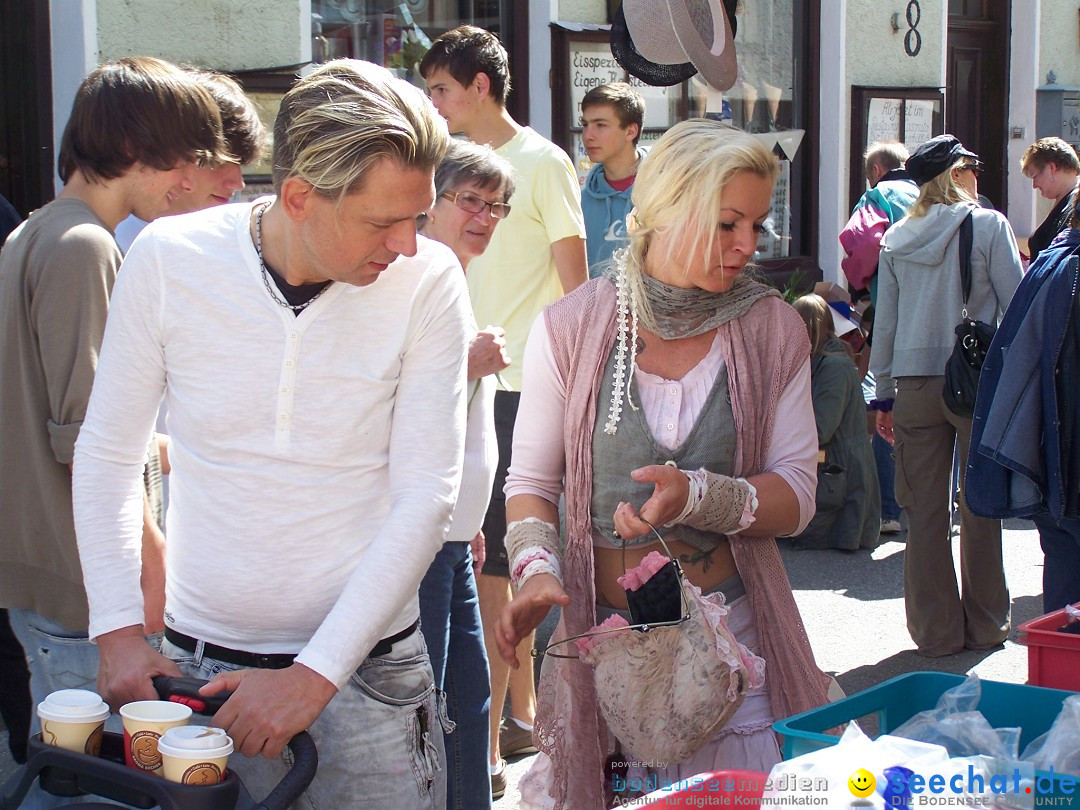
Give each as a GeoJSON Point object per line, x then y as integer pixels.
{"type": "Point", "coordinates": [1059, 748]}
{"type": "Point", "coordinates": [825, 773]}
{"type": "Point", "coordinates": [957, 725]}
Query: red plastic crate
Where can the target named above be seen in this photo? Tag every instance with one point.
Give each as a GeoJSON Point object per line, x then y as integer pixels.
{"type": "Point", "coordinates": [1053, 657]}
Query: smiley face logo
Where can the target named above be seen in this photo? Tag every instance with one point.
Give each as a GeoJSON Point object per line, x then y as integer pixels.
{"type": "Point", "coordinates": [862, 783]}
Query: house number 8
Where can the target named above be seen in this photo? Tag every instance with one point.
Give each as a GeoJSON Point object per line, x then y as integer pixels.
{"type": "Point", "coordinates": [913, 39]}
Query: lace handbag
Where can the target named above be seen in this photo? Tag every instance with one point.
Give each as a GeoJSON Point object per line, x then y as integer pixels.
{"type": "Point", "coordinates": [666, 688]}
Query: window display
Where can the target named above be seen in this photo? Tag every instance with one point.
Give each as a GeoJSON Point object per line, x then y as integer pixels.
{"type": "Point", "coordinates": [395, 34]}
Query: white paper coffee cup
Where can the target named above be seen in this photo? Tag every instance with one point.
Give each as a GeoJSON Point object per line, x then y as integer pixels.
{"type": "Point", "coordinates": [195, 755]}
{"type": "Point", "coordinates": [144, 723]}
{"type": "Point", "coordinates": [73, 719]}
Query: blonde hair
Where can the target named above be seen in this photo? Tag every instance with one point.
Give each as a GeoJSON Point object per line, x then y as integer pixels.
{"type": "Point", "coordinates": [814, 311]}
{"type": "Point", "coordinates": [818, 319]}
{"type": "Point", "coordinates": [942, 190]}
{"type": "Point", "coordinates": [680, 187]}
{"type": "Point", "coordinates": [338, 122]}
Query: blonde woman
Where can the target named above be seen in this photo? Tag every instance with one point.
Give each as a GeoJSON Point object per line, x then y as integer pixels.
{"type": "Point", "coordinates": [630, 408]}
{"type": "Point", "coordinates": [920, 301]}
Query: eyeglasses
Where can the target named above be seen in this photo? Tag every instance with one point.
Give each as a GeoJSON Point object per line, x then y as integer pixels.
{"type": "Point", "coordinates": [974, 168]}
{"type": "Point", "coordinates": [467, 201]}
{"type": "Point", "coordinates": [644, 627]}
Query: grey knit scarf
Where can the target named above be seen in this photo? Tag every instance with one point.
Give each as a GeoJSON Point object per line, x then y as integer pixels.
{"type": "Point", "coordinates": [681, 313]}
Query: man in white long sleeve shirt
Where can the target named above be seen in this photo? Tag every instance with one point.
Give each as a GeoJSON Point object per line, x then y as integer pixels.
{"type": "Point", "coordinates": [311, 352]}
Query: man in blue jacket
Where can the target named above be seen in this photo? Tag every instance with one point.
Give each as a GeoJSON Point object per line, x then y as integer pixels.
{"type": "Point", "coordinates": [611, 119]}
{"type": "Point", "coordinates": [1024, 459]}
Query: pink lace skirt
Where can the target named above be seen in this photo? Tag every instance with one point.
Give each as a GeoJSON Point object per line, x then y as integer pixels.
{"type": "Point", "coordinates": [747, 742]}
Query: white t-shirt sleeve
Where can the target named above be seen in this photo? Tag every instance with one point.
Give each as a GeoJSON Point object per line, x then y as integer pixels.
{"type": "Point", "coordinates": [107, 488]}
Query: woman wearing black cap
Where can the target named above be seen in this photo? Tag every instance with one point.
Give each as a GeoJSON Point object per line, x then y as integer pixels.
{"type": "Point", "coordinates": [919, 303]}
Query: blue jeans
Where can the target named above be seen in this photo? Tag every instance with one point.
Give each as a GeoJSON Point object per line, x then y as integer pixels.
{"type": "Point", "coordinates": [58, 658]}
{"type": "Point", "coordinates": [886, 473]}
{"type": "Point", "coordinates": [450, 619]}
{"type": "Point", "coordinates": [1061, 569]}
{"type": "Point", "coordinates": [379, 739]}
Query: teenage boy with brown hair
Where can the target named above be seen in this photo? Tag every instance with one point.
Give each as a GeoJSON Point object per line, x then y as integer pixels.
{"type": "Point", "coordinates": [138, 128]}
{"type": "Point", "coordinates": [536, 256]}
{"type": "Point", "coordinates": [246, 139]}
{"type": "Point", "coordinates": [612, 116]}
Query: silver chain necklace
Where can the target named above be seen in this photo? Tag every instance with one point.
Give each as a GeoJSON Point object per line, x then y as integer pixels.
{"type": "Point", "coordinates": [272, 288]}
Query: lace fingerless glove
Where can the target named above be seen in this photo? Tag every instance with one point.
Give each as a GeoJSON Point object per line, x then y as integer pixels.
{"type": "Point", "coordinates": [717, 503]}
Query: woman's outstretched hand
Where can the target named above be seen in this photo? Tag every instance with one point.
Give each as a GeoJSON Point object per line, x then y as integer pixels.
{"type": "Point", "coordinates": [668, 499]}
{"type": "Point", "coordinates": [525, 612]}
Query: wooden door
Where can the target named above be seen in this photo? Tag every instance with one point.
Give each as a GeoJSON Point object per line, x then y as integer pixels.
{"type": "Point", "coordinates": [977, 87]}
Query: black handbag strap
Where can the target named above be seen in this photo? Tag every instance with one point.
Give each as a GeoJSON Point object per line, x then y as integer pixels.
{"type": "Point", "coordinates": [965, 256]}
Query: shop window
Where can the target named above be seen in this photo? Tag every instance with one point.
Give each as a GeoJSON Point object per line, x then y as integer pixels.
{"type": "Point", "coordinates": [397, 34]}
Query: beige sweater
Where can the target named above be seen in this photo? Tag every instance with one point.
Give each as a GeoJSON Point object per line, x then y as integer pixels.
{"type": "Point", "coordinates": [56, 275]}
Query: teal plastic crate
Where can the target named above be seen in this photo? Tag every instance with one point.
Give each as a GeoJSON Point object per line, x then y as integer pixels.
{"type": "Point", "coordinates": [1031, 708]}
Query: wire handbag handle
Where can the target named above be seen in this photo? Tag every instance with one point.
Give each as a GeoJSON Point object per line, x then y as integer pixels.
{"type": "Point", "coordinates": [642, 627]}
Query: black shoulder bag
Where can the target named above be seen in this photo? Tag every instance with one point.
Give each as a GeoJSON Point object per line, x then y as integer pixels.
{"type": "Point", "coordinates": [972, 341]}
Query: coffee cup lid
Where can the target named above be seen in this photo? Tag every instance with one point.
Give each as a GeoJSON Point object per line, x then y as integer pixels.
{"type": "Point", "coordinates": [73, 705]}
{"type": "Point", "coordinates": [183, 741]}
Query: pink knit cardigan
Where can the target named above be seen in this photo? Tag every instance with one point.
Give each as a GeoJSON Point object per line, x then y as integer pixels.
{"type": "Point", "coordinates": [765, 348]}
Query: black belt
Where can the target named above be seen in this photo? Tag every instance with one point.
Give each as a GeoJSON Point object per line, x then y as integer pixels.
{"type": "Point", "coordinates": [242, 658]}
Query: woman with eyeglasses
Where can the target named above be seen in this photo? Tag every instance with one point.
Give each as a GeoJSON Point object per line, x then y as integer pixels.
{"type": "Point", "coordinates": [472, 185]}
{"type": "Point", "coordinates": [674, 392]}
{"type": "Point", "coordinates": [920, 301]}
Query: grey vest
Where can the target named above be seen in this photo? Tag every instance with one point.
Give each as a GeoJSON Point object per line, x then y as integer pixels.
{"type": "Point", "coordinates": [711, 444]}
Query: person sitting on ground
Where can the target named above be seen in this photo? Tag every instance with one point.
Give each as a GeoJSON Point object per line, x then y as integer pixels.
{"type": "Point", "coordinates": [848, 504]}
{"type": "Point", "coordinates": [1054, 171]}
{"type": "Point", "coordinates": [629, 395]}
{"type": "Point", "coordinates": [472, 187]}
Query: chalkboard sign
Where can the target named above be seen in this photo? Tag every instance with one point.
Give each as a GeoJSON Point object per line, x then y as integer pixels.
{"type": "Point", "coordinates": [910, 115]}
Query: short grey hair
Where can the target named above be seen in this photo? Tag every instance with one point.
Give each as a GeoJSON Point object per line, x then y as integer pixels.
{"type": "Point", "coordinates": [338, 122]}
{"type": "Point", "coordinates": [888, 155]}
{"type": "Point", "coordinates": [467, 162]}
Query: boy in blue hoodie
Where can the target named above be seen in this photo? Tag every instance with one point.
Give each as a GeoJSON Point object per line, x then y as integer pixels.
{"type": "Point", "coordinates": [611, 117]}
